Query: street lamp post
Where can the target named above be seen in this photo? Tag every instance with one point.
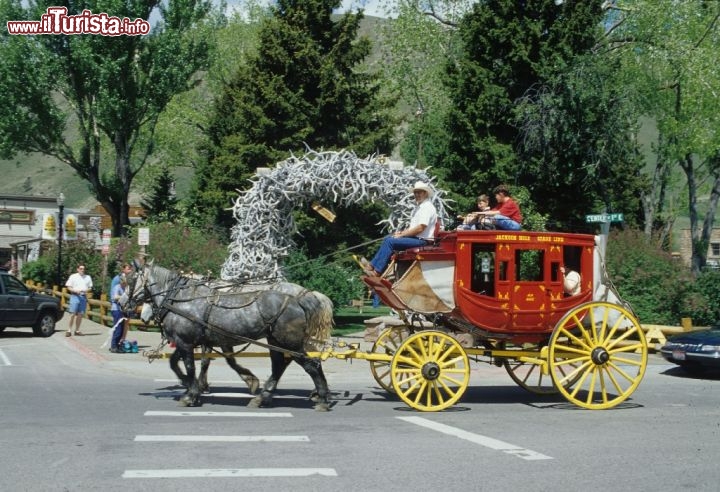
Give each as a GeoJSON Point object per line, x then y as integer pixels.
{"type": "Point", "coordinates": [61, 207]}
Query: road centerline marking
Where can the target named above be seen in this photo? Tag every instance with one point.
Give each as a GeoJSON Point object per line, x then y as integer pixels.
{"type": "Point", "coordinates": [4, 358]}
{"type": "Point", "coordinates": [488, 442]}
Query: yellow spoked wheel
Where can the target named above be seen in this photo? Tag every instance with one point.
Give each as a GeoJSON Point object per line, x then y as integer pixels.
{"type": "Point", "coordinates": [387, 343]}
{"type": "Point", "coordinates": [597, 355]}
{"type": "Point", "coordinates": [430, 371]}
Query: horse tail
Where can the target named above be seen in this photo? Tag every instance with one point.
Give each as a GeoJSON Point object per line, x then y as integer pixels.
{"type": "Point", "coordinates": [319, 315]}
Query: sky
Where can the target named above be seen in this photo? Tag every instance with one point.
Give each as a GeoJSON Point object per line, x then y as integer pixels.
{"type": "Point", "coordinates": [371, 7]}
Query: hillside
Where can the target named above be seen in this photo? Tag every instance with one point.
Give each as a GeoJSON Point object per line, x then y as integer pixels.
{"type": "Point", "coordinates": [36, 174]}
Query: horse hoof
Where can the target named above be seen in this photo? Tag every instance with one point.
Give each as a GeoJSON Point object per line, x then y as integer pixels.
{"type": "Point", "coordinates": [186, 401]}
{"type": "Point", "coordinates": [255, 402]}
{"type": "Point", "coordinates": [322, 407]}
{"type": "Point", "coordinates": [314, 397]}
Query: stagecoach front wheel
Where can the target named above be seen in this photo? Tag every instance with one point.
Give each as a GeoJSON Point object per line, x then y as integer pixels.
{"type": "Point", "coordinates": [597, 355]}
{"type": "Point", "coordinates": [387, 343]}
{"type": "Point", "coordinates": [430, 371]}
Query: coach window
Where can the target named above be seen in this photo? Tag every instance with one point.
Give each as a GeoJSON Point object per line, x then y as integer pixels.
{"type": "Point", "coordinates": [483, 269]}
{"type": "Point", "coordinates": [529, 265]}
{"type": "Point", "coordinates": [571, 258]}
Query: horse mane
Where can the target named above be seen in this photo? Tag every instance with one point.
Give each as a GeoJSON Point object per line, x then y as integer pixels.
{"type": "Point", "coordinates": [164, 276]}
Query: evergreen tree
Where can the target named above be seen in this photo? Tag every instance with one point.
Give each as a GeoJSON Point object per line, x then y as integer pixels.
{"type": "Point", "coordinates": [162, 204]}
{"type": "Point", "coordinates": [303, 86]}
{"type": "Point", "coordinates": [529, 52]}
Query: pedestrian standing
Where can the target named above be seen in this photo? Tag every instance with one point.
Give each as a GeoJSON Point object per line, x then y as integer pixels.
{"type": "Point", "coordinates": [78, 284]}
{"type": "Point", "coordinates": [118, 316]}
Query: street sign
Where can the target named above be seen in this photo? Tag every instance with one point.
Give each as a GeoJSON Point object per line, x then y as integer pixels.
{"type": "Point", "coordinates": [143, 236]}
{"type": "Point", "coordinates": [604, 218]}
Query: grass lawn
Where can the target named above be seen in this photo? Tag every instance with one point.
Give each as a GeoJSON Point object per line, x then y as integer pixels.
{"type": "Point", "coordinates": [350, 319]}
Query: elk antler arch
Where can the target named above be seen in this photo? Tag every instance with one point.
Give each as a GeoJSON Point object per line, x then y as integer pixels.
{"type": "Point", "coordinates": [265, 226]}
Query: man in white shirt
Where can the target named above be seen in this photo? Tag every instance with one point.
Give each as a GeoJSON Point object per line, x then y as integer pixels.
{"type": "Point", "coordinates": [78, 284]}
{"type": "Point", "coordinates": [420, 232]}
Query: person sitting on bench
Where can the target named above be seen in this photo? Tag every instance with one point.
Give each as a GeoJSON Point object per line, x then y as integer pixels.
{"type": "Point", "coordinates": [506, 215]}
{"type": "Point", "coordinates": [420, 232]}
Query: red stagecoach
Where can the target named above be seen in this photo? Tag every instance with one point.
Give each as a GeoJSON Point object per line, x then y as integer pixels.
{"type": "Point", "coordinates": [498, 297]}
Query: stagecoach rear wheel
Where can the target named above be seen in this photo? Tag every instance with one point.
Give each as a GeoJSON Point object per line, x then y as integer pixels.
{"type": "Point", "coordinates": [430, 371]}
{"type": "Point", "coordinates": [387, 343]}
{"type": "Point", "coordinates": [530, 376]}
{"type": "Point", "coordinates": [597, 355]}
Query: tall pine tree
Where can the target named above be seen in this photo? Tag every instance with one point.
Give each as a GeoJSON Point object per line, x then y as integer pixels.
{"type": "Point", "coordinates": [162, 203]}
{"type": "Point", "coordinates": [304, 86]}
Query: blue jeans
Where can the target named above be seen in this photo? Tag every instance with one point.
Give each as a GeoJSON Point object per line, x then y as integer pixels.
{"type": "Point", "coordinates": [502, 222]}
{"type": "Point", "coordinates": [119, 328]}
{"type": "Point", "coordinates": [382, 257]}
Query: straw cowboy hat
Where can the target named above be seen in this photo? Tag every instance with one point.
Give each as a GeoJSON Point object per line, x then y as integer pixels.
{"type": "Point", "coordinates": [419, 185]}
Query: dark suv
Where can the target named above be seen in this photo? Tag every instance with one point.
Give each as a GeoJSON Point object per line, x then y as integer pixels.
{"type": "Point", "coordinates": [20, 306]}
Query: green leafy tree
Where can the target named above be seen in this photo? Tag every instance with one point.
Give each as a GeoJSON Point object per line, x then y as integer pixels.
{"type": "Point", "coordinates": [339, 282]}
{"type": "Point", "coordinates": [576, 145]}
{"type": "Point", "coordinates": [93, 101]}
{"type": "Point", "coordinates": [669, 55]}
{"type": "Point", "coordinates": [659, 288]}
{"type": "Point", "coordinates": [304, 86]}
{"type": "Point", "coordinates": [44, 270]}
{"type": "Point", "coordinates": [416, 45]}
{"type": "Point", "coordinates": [177, 247]}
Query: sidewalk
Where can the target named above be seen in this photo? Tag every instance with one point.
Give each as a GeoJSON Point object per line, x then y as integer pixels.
{"type": "Point", "coordinates": [95, 335]}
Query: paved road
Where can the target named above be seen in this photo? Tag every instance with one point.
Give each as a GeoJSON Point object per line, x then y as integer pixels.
{"type": "Point", "coordinates": [76, 417]}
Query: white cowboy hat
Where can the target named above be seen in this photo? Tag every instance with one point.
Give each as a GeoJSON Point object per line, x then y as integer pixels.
{"type": "Point", "coordinates": [419, 185]}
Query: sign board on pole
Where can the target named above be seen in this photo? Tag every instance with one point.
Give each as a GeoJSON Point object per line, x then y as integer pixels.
{"type": "Point", "coordinates": [604, 218]}
{"type": "Point", "coordinates": [49, 226]}
{"type": "Point", "coordinates": [143, 236]}
{"type": "Point", "coordinates": [70, 227]}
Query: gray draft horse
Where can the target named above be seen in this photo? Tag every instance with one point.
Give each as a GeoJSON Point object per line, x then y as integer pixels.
{"type": "Point", "coordinates": [194, 313]}
{"type": "Point", "coordinates": [252, 382]}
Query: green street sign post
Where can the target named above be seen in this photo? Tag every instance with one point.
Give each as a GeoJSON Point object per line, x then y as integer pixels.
{"type": "Point", "coordinates": [599, 218]}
